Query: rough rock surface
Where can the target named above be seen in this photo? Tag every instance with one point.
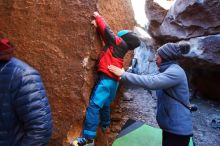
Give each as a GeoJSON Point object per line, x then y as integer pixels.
{"type": "Point", "coordinates": [203, 65]}
{"type": "Point", "coordinates": [155, 14]}
{"type": "Point", "coordinates": [206, 48]}
{"type": "Point", "coordinates": [144, 56]}
{"type": "Point", "coordinates": [56, 38]}
{"type": "Point", "coordinates": [191, 18]}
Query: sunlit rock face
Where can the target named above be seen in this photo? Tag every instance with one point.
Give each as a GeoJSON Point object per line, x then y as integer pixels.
{"type": "Point", "coordinates": [57, 38]}
{"type": "Point", "coordinates": [191, 18]}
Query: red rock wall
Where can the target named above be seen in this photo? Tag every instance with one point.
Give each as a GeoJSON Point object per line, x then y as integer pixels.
{"type": "Point", "coordinates": [56, 38]}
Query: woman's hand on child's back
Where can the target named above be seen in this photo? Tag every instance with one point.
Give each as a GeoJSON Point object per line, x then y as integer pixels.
{"type": "Point", "coordinates": [116, 70]}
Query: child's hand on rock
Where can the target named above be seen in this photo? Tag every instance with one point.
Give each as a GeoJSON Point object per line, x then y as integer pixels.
{"type": "Point", "coordinates": [94, 23]}
{"type": "Point", "coordinates": [95, 14]}
{"type": "Point", "coordinates": [116, 70]}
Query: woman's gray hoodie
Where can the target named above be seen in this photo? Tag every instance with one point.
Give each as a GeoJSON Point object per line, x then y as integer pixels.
{"type": "Point", "coordinates": [172, 116]}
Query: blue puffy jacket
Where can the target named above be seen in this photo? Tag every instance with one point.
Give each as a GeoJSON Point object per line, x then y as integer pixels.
{"type": "Point", "coordinates": [25, 115]}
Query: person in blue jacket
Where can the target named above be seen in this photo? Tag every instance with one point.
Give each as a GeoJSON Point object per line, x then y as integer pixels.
{"type": "Point", "coordinates": [173, 118]}
{"type": "Point", "coordinates": [25, 115]}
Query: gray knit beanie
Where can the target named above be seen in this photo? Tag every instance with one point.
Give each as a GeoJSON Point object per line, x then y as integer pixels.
{"type": "Point", "coordinates": [173, 51]}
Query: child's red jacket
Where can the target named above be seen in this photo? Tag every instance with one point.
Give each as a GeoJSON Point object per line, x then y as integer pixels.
{"type": "Point", "coordinates": [114, 50]}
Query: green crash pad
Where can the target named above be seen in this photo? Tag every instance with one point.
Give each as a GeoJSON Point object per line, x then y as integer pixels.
{"type": "Point", "coordinates": [142, 136]}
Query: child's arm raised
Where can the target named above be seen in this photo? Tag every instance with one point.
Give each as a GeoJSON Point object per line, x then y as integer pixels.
{"type": "Point", "coordinates": [108, 36]}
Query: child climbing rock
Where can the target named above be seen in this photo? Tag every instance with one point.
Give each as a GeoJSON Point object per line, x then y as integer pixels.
{"type": "Point", "coordinates": [98, 110]}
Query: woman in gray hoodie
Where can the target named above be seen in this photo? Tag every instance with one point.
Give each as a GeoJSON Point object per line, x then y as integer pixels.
{"type": "Point", "coordinates": [172, 116]}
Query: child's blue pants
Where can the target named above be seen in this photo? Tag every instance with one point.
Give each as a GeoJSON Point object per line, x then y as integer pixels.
{"type": "Point", "coordinates": [98, 111]}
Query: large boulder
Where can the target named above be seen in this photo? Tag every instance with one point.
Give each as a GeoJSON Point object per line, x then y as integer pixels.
{"type": "Point", "coordinates": [191, 18]}
{"type": "Point", "coordinates": [206, 48]}
{"type": "Point", "coordinates": [198, 19]}
{"type": "Point", "coordinates": [57, 38]}
{"type": "Point", "coordinates": [155, 14]}
{"type": "Point", "coordinates": [203, 65]}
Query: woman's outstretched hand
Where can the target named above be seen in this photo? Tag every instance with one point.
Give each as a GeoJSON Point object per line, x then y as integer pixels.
{"type": "Point", "coordinates": [116, 70]}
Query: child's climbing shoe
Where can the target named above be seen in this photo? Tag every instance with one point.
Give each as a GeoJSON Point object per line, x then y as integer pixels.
{"type": "Point", "coordinates": [83, 142]}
